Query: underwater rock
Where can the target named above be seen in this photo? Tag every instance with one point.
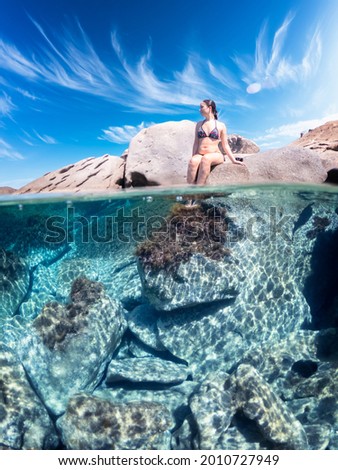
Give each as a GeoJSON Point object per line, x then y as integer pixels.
{"type": "Point", "coordinates": [24, 421]}
{"type": "Point", "coordinates": [14, 283]}
{"type": "Point", "coordinates": [142, 322]}
{"type": "Point", "coordinates": [213, 409]}
{"type": "Point", "coordinates": [112, 272]}
{"type": "Point", "coordinates": [209, 338]}
{"type": "Point", "coordinates": [175, 397]}
{"type": "Point", "coordinates": [94, 423]}
{"type": "Point", "coordinates": [269, 304]}
{"type": "Point", "coordinates": [276, 422]}
{"type": "Point", "coordinates": [185, 263]}
{"type": "Point", "coordinates": [69, 346]}
{"type": "Point", "coordinates": [200, 280]}
{"type": "Point", "coordinates": [146, 370]}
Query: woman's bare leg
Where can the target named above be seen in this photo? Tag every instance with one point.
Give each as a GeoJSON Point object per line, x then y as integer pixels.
{"type": "Point", "coordinates": [207, 161]}
{"type": "Point", "coordinates": [193, 168]}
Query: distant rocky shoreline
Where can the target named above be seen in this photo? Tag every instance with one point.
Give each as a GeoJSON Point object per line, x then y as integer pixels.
{"type": "Point", "coordinates": [159, 155]}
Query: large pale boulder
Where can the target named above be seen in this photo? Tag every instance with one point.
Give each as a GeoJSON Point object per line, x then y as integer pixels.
{"type": "Point", "coordinates": [239, 144]}
{"type": "Point", "coordinates": [287, 164]}
{"type": "Point", "coordinates": [160, 154]}
{"type": "Point", "coordinates": [91, 174]}
{"type": "Point", "coordinates": [228, 173]}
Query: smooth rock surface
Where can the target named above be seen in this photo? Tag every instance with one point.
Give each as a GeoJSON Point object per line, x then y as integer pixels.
{"type": "Point", "coordinates": [287, 164]}
{"type": "Point", "coordinates": [228, 173]}
{"type": "Point", "coordinates": [146, 370]}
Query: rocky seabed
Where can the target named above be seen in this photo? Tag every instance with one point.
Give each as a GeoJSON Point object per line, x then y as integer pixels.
{"type": "Point", "coordinates": [97, 352]}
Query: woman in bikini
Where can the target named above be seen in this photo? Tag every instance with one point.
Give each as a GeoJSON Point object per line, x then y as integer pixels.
{"type": "Point", "coordinates": [206, 152]}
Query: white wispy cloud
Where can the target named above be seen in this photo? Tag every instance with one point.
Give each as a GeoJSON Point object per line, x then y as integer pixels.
{"type": "Point", "coordinates": [7, 151]}
{"type": "Point", "coordinates": [292, 130]}
{"type": "Point", "coordinates": [124, 134]}
{"type": "Point", "coordinates": [69, 60]}
{"type": "Point", "coordinates": [26, 94]}
{"type": "Point", "coordinates": [47, 139]}
{"type": "Point", "coordinates": [270, 68]}
{"type": "Point", "coordinates": [6, 105]}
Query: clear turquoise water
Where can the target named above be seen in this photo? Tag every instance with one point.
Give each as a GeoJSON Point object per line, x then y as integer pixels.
{"type": "Point", "coordinates": [261, 320]}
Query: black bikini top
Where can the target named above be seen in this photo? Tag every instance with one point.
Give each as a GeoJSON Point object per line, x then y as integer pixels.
{"type": "Point", "coordinates": [213, 134]}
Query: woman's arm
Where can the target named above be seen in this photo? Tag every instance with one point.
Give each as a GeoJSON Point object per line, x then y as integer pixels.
{"type": "Point", "coordinates": [226, 147]}
{"type": "Point", "coordinates": [195, 146]}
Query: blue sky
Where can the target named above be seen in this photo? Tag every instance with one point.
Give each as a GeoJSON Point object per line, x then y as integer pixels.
{"type": "Point", "coordinates": [80, 78]}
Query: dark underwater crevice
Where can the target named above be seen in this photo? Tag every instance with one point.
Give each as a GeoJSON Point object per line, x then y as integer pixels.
{"type": "Point", "coordinates": [320, 289]}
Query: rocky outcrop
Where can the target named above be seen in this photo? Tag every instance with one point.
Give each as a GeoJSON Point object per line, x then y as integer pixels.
{"type": "Point", "coordinates": [159, 156]}
{"type": "Point", "coordinates": [6, 190]}
{"type": "Point", "coordinates": [24, 421]}
{"type": "Point", "coordinates": [324, 140]}
{"type": "Point", "coordinates": [69, 346]}
{"type": "Point", "coordinates": [91, 174]}
{"type": "Point", "coordinates": [94, 423]}
{"type": "Point", "coordinates": [321, 139]}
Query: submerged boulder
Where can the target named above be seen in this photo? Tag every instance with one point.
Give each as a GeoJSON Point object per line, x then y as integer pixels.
{"type": "Point", "coordinates": [94, 423]}
{"type": "Point", "coordinates": [259, 403]}
{"type": "Point", "coordinates": [213, 409]}
{"type": "Point", "coordinates": [175, 398]}
{"type": "Point", "coordinates": [69, 346]}
{"type": "Point", "coordinates": [268, 304]}
{"type": "Point", "coordinates": [186, 263]}
{"type": "Point", "coordinates": [24, 421]}
{"type": "Point", "coordinates": [140, 370]}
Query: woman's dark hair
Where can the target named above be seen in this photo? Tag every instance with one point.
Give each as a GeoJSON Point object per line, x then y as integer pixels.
{"type": "Point", "coordinates": [213, 107]}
